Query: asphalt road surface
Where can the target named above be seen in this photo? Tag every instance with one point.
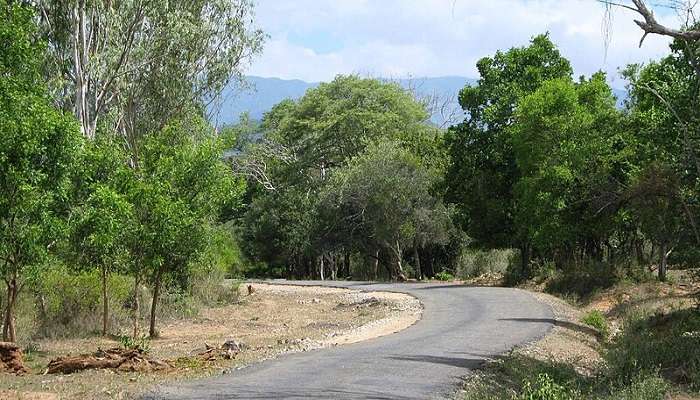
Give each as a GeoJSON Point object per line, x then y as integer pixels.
{"type": "Point", "coordinates": [461, 327]}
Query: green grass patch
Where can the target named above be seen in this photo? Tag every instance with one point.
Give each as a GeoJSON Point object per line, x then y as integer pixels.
{"type": "Point", "coordinates": [597, 320]}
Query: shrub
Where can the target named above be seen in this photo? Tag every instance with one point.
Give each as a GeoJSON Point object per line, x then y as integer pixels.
{"type": "Point", "coordinates": [70, 304]}
{"type": "Point", "coordinates": [472, 263]}
{"type": "Point", "coordinates": [597, 320]}
{"type": "Point", "coordinates": [669, 343]}
{"type": "Point", "coordinates": [544, 388]}
{"type": "Point", "coordinates": [444, 276]}
{"type": "Point", "coordinates": [142, 344]}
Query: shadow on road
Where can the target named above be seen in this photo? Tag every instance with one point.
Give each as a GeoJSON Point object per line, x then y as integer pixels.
{"type": "Point", "coordinates": [470, 363]}
{"type": "Point", "coordinates": [564, 324]}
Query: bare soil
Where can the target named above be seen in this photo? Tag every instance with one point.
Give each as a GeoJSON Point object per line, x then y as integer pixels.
{"type": "Point", "coordinates": [273, 320]}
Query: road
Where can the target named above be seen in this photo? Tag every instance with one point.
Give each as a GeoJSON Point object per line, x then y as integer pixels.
{"type": "Point", "coordinates": [461, 327]}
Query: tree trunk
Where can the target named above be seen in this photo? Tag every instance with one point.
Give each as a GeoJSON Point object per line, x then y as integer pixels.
{"type": "Point", "coordinates": [9, 333]}
{"type": "Point", "coordinates": [137, 305]}
{"type": "Point", "coordinates": [398, 269]}
{"type": "Point", "coordinates": [321, 268]}
{"type": "Point", "coordinates": [334, 268]}
{"type": "Point", "coordinates": [416, 257]}
{"type": "Point", "coordinates": [376, 266]}
{"type": "Point", "coordinates": [525, 261]}
{"type": "Point", "coordinates": [663, 265]}
{"type": "Point", "coordinates": [156, 293]}
{"type": "Point", "coordinates": [346, 265]}
{"type": "Point", "coordinates": [105, 305]}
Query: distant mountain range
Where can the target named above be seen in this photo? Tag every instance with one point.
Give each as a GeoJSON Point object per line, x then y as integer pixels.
{"type": "Point", "coordinates": [264, 93]}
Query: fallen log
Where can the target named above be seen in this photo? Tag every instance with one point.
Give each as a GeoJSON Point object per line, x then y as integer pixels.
{"type": "Point", "coordinates": [119, 359]}
{"type": "Point", "coordinates": [11, 359]}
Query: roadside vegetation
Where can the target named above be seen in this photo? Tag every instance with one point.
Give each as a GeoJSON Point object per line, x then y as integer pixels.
{"type": "Point", "coordinates": [122, 205]}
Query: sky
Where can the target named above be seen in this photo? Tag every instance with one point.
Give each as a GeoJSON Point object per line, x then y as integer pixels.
{"type": "Point", "coordinates": [314, 40]}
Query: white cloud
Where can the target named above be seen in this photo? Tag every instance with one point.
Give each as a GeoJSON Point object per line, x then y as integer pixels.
{"type": "Point", "coordinates": [437, 37]}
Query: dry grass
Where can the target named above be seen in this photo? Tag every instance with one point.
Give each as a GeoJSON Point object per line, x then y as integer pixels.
{"type": "Point", "coordinates": [271, 321]}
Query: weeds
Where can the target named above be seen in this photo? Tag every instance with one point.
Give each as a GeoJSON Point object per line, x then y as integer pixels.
{"type": "Point", "coordinates": [597, 320]}
{"type": "Point", "coordinates": [142, 344]}
{"type": "Point", "coordinates": [444, 276]}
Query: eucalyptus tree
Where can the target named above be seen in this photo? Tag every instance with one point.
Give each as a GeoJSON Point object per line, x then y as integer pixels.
{"type": "Point", "coordinates": [136, 63]}
{"type": "Point", "coordinates": [39, 147]}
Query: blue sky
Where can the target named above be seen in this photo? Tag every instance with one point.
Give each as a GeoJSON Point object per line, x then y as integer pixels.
{"type": "Point", "coordinates": [314, 40]}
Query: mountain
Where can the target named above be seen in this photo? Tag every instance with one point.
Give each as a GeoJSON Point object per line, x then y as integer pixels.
{"type": "Point", "coordinates": [263, 93]}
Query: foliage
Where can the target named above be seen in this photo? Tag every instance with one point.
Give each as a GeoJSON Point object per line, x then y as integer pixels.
{"type": "Point", "coordinates": [384, 210]}
{"type": "Point", "coordinates": [305, 145]}
{"type": "Point", "coordinates": [444, 276]}
{"type": "Point", "coordinates": [473, 262]}
{"type": "Point", "coordinates": [181, 186]}
{"type": "Point", "coordinates": [147, 62]}
{"type": "Point", "coordinates": [38, 149]}
{"type": "Point", "coordinates": [544, 388]}
{"type": "Point", "coordinates": [483, 170]}
{"type": "Point", "coordinates": [142, 344]}
{"type": "Point", "coordinates": [665, 342]}
{"type": "Point", "coordinates": [597, 320]}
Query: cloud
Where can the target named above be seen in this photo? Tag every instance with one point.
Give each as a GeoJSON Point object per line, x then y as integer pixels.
{"type": "Point", "coordinates": [314, 40]}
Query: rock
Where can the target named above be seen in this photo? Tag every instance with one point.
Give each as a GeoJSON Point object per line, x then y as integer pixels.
{"type": "Point", "coordinates": [316, 300]}
{"type": "Point", "coordinates": [234, 345]}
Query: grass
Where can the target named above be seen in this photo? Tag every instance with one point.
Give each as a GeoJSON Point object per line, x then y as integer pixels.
{"type": "Point", "coordinates": [597, 320]}
{"type": "Point", "coordinates": [653, 354]}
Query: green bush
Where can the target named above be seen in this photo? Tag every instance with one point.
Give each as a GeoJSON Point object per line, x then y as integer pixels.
{"type": "Point", "coordinates": [70, 304]}
{"type": "Point", "coordinates": [544, 388]}
{"type": "Point", "coordinates": [142, 344]}
{"type": "Point", "coordinates": [472, 263]}
{"type": "Point", "coordinates": [597, 320]}
{"type": "Point", "coordinates": [444, 276]}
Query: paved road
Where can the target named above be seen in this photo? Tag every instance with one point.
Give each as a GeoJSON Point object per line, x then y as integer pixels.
{"type": "Point", "coordinates": [460, 328]}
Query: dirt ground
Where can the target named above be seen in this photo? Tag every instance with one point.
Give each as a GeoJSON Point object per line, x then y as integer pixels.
{"type": "Point", "coordinates": [272, 321]}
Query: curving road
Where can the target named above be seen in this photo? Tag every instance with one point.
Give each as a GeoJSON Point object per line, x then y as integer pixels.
{"type": "Point", "coordinates": [461, 327]}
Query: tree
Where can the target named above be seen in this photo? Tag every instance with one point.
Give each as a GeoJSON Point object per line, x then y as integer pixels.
{"type": "Point", "coordinates": [135, 64]}
{"type": "Point", "coordinates": [382, 200]}
{"type": "Point", "coordinates": [102, 231]}
{"type": "Point", "coordinates": [178, 195]}
{"type": "Point", "coordinates": [573, 156]}
{"type": "Point", "coordinates": [38, 149]}
{"type": "Point", "coordinates": [302, 143]}
{"type": "Point", "coordinates": [482, 171]}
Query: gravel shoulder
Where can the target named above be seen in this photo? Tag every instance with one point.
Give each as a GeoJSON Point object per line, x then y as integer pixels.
{"type": "Point", "coordinates": [272, 321]}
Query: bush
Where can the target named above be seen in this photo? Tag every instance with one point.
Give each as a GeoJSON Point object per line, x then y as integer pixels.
{"type": "Point", "coordinates": [70, 304]}
{"type": "Point", "coordinates": [142, 344]}
{"type": "Point", "coordinates": [544, 388]}
{"type": "Point", "coordinates": [669, 343]}
{"type": "Point", "coordinates": [444, 276]}
{"type": "Point", "coordinates": [472, 263]}
{"type": "Point", "coordinates": [597, 320]}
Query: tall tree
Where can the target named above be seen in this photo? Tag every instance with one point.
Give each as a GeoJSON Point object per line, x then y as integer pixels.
{"type": "Point", "coordinates": [382, 200]}
{"type": "Point", "coordinates": [136, 63]}
{"type": "Point", "coordinates": [38, 148]}
{"type": "Point", "coordinates": [483, 171]}
{"type": "Point", "coordinates": [573, 157]}
{"type": "Point", "coordinates": [178, 195]}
